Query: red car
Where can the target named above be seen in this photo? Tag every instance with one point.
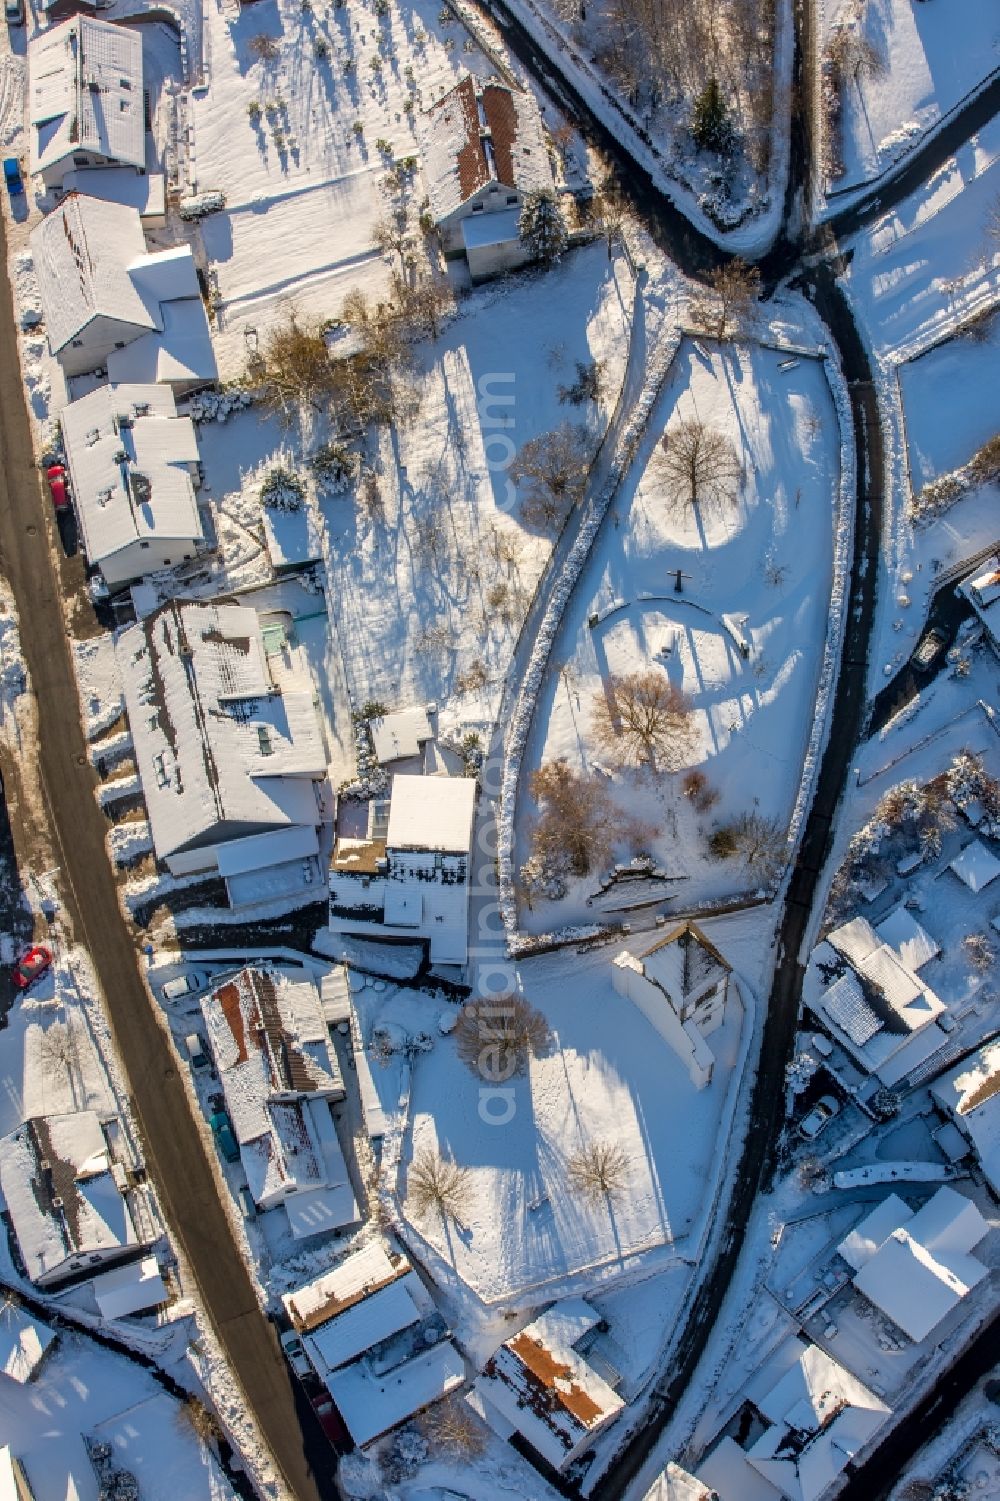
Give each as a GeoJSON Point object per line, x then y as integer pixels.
{"type": "Point", "coordinates": [56, 476]}
{"type": "Point", "coordinates": [31, 965]}
{"type": "Point", "coordinates": [330, 1421]}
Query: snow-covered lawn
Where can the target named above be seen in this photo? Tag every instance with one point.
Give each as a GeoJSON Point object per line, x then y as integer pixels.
{"type": "Point", "coordinates": [933, 55]}
{"type": "Point", "coordinates": [83, 1389]}
{"type": "Point", "coordinates": [608, 1077]}
{"type": "Point", "coordinates": [433, 578]}
{"type": "Point", "coordinates": [303, 178]}
{"type": "Point", "coordinates": [946, 418]}
{"type": "Point", "coordinates": [766, 556]}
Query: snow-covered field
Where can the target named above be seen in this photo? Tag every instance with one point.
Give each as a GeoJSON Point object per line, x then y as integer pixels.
{"type": "Point", "coordinates": [755, 557]}
{"type": "Point", "coordinates": [946, 418]}
{"type": "Point", "coordinates": [609, 1077]}
{"type": "Point", "coordinates": [932, 55]}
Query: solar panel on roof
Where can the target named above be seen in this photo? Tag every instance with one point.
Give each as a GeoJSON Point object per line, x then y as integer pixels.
{"type": "Point", "coordinates": [846, 1006]}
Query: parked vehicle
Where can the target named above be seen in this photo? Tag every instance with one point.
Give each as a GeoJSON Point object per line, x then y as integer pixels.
{"type": "Point", "coordinates": [14, 11]}
{"type": "Point", "coordinates": [330, 1420]}
{"type": "Point", "coordinates": [56, 476]}
{"type": "Point", "coordinates": [182, 985]}
{"type": "Point", "coordinates": [31, 965]}
{"type": "Point", "coordinates": [819, 1117]}
{"type": "Point", "coordinates": [930, 649]}
{"type": "Point", "coordinates": [222, 1129]}
{"type": "Point", "coordinates": [297, 1357]}
{"type": "Point", "coordinates": [196, 1051]}
{"type": "Point", "coordinates": [12, 176]}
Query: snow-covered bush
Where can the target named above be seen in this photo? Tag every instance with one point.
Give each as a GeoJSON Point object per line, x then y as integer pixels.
{"type": "Point", "coordinates": [335, 468]}
{"type": "Point", "coordinates": [403, 1455]}
{"type": "Point", "coordinates": [282, 489]}
{"type": "Point", "coordinates": [216, 406]}
{"type": "Point", "coordinates": [371, 779]}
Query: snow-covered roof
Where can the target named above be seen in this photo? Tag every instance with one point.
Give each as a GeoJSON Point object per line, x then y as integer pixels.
{"type": "Point", "coordinates": [63, 1202]}
{"type": "Point", "coordinates": [146, 192]}
{"type": "Point", "coordinates": [292, 538]}
{"type": "Point", "coordinates": [401, 734]}
{"type": "Point", "coordinates": [923, 1268]}
{"type": "Point", "coordinates": [844, 1003]}
{"type": "Point", "coordinates": [476, 136]}
{"type": "Point", "coordinates": [860, 1245]}
{"type": "Point", "coordinates": [481, 230]}
{"type": "Point", "coordinates": [82, 251]}
{"type": "Point", "coordinates": [819, 1400]}
{"type": "Point", "coordinates": [971, 1093]}
{"type": "Point", "coordinates": [220, 751]}
{"type": "Point", "coordinates": [130, 458]}
{"type": "Point", "coordinates": [374, 1318]}
{"type": "Point", "coordinates": [894, 995]}
{"type": "Point", "coordinates": [352, 1280]}
{"type": "Point", "coordinates": [985, 586]}
{"type": "Point", "coordinates": [271, 1047]}
{"type": "Point", "coordinates": [976, 866]}
{"type": "Point", "coordinates": [23, 1342]}
{"type": "Point", "coordinates": [676, 1484]}
{"type": "Point", "coordinates": [85, 93]}
{"type": "Point", "coordinates": [178, 350]}
{"type": "Point", "coordinates": [130, 1289]}
{"type": "Point", "coordinates": [546, 1390]}
{"type": "Point", "coordinates": [370, 1404]}
{"type": "Point", "coordinates": [912, 945]}
{"type": "Point", "coordinates": [684, 963]}
{"type": "Point", "coordinates": [431, 813]}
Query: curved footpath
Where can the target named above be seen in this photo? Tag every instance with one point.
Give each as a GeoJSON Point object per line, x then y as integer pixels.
{"type": "Point", "coordinates": [175, 1152]}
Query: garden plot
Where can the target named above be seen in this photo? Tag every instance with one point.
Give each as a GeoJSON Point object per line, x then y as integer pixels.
{"type": "Point", "coordinates": [947, 419]}
{"type": "Point", "coordinates": [931, 57]}
{"type": "Point", "coordinates": [300, 144]}
{"type": "Point", "coordinates": [429, 576]}
{"type": "Point", "coordinates": [524, 1231]}
{"type": "Point", "coordinates": [755, 574]}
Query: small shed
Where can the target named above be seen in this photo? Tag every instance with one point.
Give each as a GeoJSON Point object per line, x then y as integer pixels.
{"type": "Point", "coordinates": [976, 866]}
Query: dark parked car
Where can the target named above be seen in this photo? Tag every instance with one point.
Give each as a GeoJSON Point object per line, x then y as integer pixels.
{"type": "Point", "coordinates": [12, 176]}
{"type": "Point", "coordinates": [31, 965]}
{"type": "Point", "coordinates": [222, 1128]}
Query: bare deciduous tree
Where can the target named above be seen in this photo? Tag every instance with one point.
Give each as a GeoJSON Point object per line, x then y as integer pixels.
{"type": "Point", "coordinates": [296, 364]}
{"type": "Point", "coordinates": [599, 1171]}
{"type": "Point", "coordinates": [698, 463]}
{"type": "Point", "coordinates": [391, 234]}
{"type": "Point", "coordinates": [758, 841]}
{"type": "Point", "coordinates": [645, 719]}
{"type": "Point", "coordinates": [435, 1184]}
{"type": "Point", "coordinates": [451, 1427]}
{"type": "Point", "coordinates": [730, 303]}
{"type": "Point", "coordinates": [497, 1036]}
{"type": "Point", "coordinates": [421, 306]}
{"type": "Point", "coordinates": [575, 827]}
{"type": "Point", "coordinates": [854, 55]}
{"type": "Point", "coordinates": [264, 47]}
{"type": "Point", "coordinates": [553, 468]}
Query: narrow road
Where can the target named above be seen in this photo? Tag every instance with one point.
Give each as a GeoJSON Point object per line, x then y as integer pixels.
{"type": "Point", "coordinates": [175, 1153]}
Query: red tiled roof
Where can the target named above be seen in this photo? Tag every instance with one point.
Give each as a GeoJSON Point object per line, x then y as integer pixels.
{"type": "Point", "coordinates": [473, 168]}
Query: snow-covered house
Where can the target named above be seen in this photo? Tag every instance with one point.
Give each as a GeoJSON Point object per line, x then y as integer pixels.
{"type": "Point", "coordinates": [130, 1289]}
{"type": "Point", "coordinates": [676, 1484]}
{"type": "Point", "coordinates": [880, 1010]}
{"type": "Point", "coordinates": [969, 1096]}
{"type": "Point", "coordinates": [681, 985]}
{"type": "Point", "coordinates": [146, 192]}
{"type": "Point", "coordinates": [402, 735]}
{"type": "Point", "coordinates": [483, 148]}
{"type": "Point", "coordinates": [982, 590]}
{"type": "Point", "coordinates": [65, 1198]}
{"type": "Point", "coordinates": [976, 866]}
{"type": "Point", "coordinates": [228, 746]}
{"type": "Point", "coordinates": [540, 1386]}
{"type": "Point", "coordinates": [373, 1401]}
{"type": "Point", "coordinates": [279, 1076]}
{"type": "Point", "coordinates": [110, 303]}
{"type": "Point", "coordinates": [915, 1266]}
{"type": "Point", "coordinates": [409, 879]}
{"type": "Point", "coordinates": [23, 1343]}
{"type": "Point", "coordinates": [818, 1417]}
{"type": "Point", "coordinates": [365, 1300]}
{"type": "Point", "coordinates": [133, 466]}
{"type": "Point", "coordinates": [85, 100]}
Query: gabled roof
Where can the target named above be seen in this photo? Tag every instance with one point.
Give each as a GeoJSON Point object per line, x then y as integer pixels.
{"type": "Point", "coordinates": [62, 1199]}
{"type": "Point", "coordinates": [85, 93]}
{"type": "Point", "coordinates": [977, 866]}
{"type": "Point", "coordinates": [546, 1390]}
{"type": "Point", "coordinates": [923, 1267]}
{"type": "Point", "coordinates": [371, 1404]}
{"type": "Point", "coordinates": [348, 1283]}
{"type": "Point", "coordinates": [472, 138]}
{"type": "Point", "coordinates": [23, 1341]}
{"type": "Point", "coordinates": [401, 734]}
{"type": "Point", "coordinates": [129, 457]}
{"type": "Point", "coordinates": [912, 945]}
{"type": "Point", "coordinates": [82, 251]}
{"type": "Point", "coordinates": [971, 1092]}
{"type": "Point", "coordinates": [684, 962]}
{"type": "Point", "coordinates": [221, 753]}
